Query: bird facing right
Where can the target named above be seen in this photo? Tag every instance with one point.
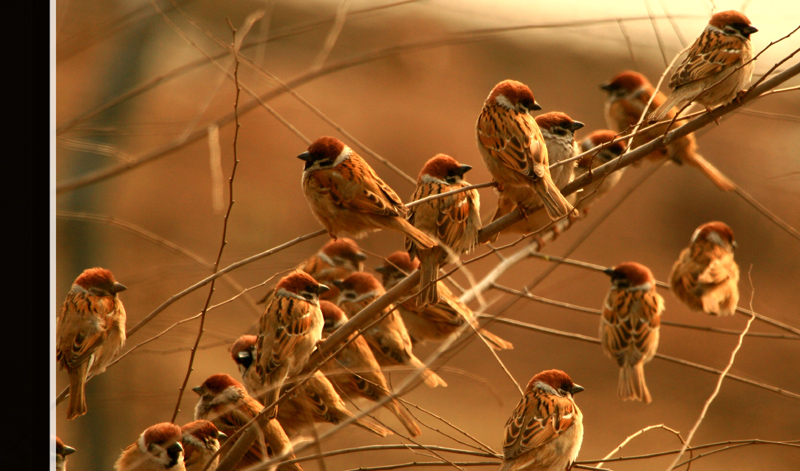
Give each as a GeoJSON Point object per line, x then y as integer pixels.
{"type": "Point", "coordinates": [90, 331]}
{"type": "Point", "coordinates": [62, 451]}
{"type": "Point", "coordinates": [201, 440]}
{"type": "Point", "coordinates": [629, 326]}
{"type": "Point", "coordinates": [717, 67]}
{"type": "Point", "coordinates": [705, 277]}
{"type": "Point", "coordinates": [158, 448]}
{"type": "Point", "coordinates": [545, 431]}
{"type": "Point", "coordinates": [514, 151]}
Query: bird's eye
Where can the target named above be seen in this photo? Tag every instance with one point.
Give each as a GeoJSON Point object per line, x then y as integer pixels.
{"type": "Point", "coordinates": [349, 295]}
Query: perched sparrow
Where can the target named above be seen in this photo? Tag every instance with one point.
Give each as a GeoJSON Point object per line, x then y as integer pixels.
{"type": "Point", "coordinates": [288, 331]}
{"type": "Point", "coordinates": [201, 439]}
{"type": "Point", "coordinates": [705, 277]}
{"type": "Point", "coordinates": [315, 401]}
{"type": "Point", "coordinates": [335, 261]}
{"type": "Point", "coordinates": [62, 451]}
{"type": "Point", "coordinates": [388, 337]}
{"type": "Point", "coordinates": [90, 331]}
{"type": "Point", "coordinates": [545, 431]}
{"type": "Point", "coordinates": [158, 448]}
{"type": "Point", "coordinates": [437, 321]}
{"type": "Point", "coordinates": [454, 220]}
{"type": "Point", "coordinates": [717, 67]}
{"type": "Point", "coordinates": [348, 197]}
{"type": "Point", "coordinates": [629, 326]}
{"type": "Point", "coordinates": [592, 192]}
{"type": "Point", "coordinates": [355, 371]}
{"type": "Point", "coordinates": [558, 130]}
{"type": "Point", "coordinates": [225, 402]}
{"type": "Point", "coordinates": [628, 94]}
{"type": "Point", "coordinates": [514, 150]}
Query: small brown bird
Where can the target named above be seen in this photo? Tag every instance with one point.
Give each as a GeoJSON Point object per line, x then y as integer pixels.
{"type": "Point", "coordinates": [435, 322]}
{"type": "Point", "coordinates": [348, 197]}
{"type": "Point", "coordinates": [62, 451]}
{"type": "Point", "coordinates": [225, 402]}
{"type": "Point", "coordinates": [596, 190]}
{"type": "Point", "coordinates": [628, 94]}
{"type": "Point", "coordinates": [288, 331]}
{"type": "Point", "coordinates": [158, 449]}
{"type": "Point", "coordinates": [558, 130]}
{"type": "Point", "coordinates": [90, 331]}
{"type": "Point", "coordinates": [454, 220]}
{"type": "Point", "coordinates": [201, 440]}
{"type": "Point", "coordinates": [316, 401]}
{"type": "Point", "coordinates": [705, 277]}
{"type": "Point", "coordinates": [717, 67]}
{"type": "Point", "coordinates": [629, 326]}
{"type": "Point", "coordinates": [545, 431]}
{"type": "Point", "coordinates": [514, 151]}
{"type": "Point", "coordinates": [356, 373]}
{"type": "Point", "coordinates": [388, 338]}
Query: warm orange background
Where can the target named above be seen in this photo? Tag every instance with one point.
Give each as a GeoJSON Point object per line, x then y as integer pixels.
{"type": "Point", "coordinates": [408, 107]}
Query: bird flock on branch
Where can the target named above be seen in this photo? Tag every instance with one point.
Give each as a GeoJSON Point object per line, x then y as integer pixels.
{"type": "Point", "coordinates": [530, 159]}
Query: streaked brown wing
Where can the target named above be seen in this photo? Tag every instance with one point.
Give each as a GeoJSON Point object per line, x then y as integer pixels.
{"type": "Point", "coordinates": [511, 138]}
{"type": "Point", "coordinates": [710, 55]}
{"type": "Point", "coordinates": [291, 319]}
{"type": "Point", "coordinates": [538, 418]}
{"type": "Point", "coordinates": [82, 327]}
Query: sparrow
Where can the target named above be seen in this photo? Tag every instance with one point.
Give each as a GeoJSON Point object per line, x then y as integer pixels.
{"type": "Point", "coordinates": [201, 440]}
{"type": "Point", "coordinates": [596, 190]}
{"type": "Point", "coordinates": [158, 448]}
{"type": "Point", "coordinates": [225, 402]}
{"type": "Point", "coordinates": [453, 220]}
{"type": "Point", "coordinates": [356, 373]}
{"type": "Point", "coordinates": [514, 151]}
{"type": "Point", "coordinates": [627, 95]}
{"type": "Point", "coordinates": [705, 277]}
{"type": "Point", "coordinates": [435, 322]}
{"type": "Point", "coordinates": [388, 336]}
{"type": "Point", "coordinates": [717, 66]}
{"type": "Point", "coordinates": [558, 130]}
{"type": "Point", "coordinates": [316, 401]}
{"type": "Point", "coordinates": [545, 431]}
{"type": "Point", "coordinates": [348, 197]}
{"type": "Point", "coordinates": [62, 451]}
{"type": "Point", "coordinates": [288, 331]}
{"type": "Point", "coordinates": [90, 331]}
{"type": "Point", "coordinates": [629, 326]}
{"type": "Point", "coordinates": [334, 261]}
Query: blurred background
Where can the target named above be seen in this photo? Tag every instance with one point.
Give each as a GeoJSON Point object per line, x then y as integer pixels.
{"type": "Point", "coordinates": [147, 87]}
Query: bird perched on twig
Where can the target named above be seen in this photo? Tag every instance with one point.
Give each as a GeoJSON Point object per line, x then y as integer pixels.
{"type": "Point", "coordinates": [157, 449]}
{"type": "Point", "coordinates": [628, 94]}
{"type": "Point", "coordinates": [629, 326]}
{"type": "Point", "coordinates": [288, 331]}
{"type": "Point", "coordinates": [453, 220]}
{"type": "Point", "coordinates": [705, 277]}
{"type": "Point", "coordinates": [596, 190]}
{"type": "Point", "coordinates": [90, 331]}
{"type": "Point", "coordinates": [201, 440]}
{"type": "Point", "coordinates": [355, 371]}
{"type": "Point", "coordinates": [438, 321]}
{"type": "Point", "coordinates": [514, 151]}
{"type": "Point", "coordinates": [387, 337]}
{"type": "Point", "coordinates": [348, 197]}
{"type": "Point", "coordinates": [225, 402]}
{"type": "Point", "coordinates": [717, 67]}
{"type": "Point", "coordinates": [545, 431]}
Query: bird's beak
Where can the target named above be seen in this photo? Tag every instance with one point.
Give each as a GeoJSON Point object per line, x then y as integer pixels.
{"type": "Point", "coordinates": [381, 269]}
{"type": "Point", "coordinates": [609, 271]}
{"type": "Point", "coordinates": [360, 257]}
{"type": "Point", "coordinates": [606, 87]}
{"type": "Point", "coordinates": [221, 436]}
{"type": "Point", "coordinates": [536, 106]}
{"type": "Point", "coordinates": [198, 390]}
{"type": "Point", "coordinates": [576, 125]}
{"type": "Point", "coordinates": [576, 388]}
{"type": "Point", "coordinates": [306, 156]}
{"type": "Point", "coordinates": [68, 450]}
{"type": "Point", "coordinates": [463, 169]}
{"type": "Point", "coordinates": [339, 284]}
{"type": "Point", "coordinates": [322, 288]}
{"type": "Point", "coordinates": [748, 30]}
{"type": "Point", "coordinates": [118, 287]}
{"type": "Point", "coordinates": [174, 452]}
